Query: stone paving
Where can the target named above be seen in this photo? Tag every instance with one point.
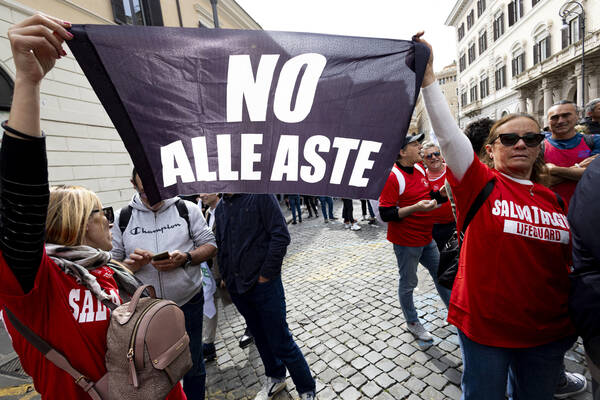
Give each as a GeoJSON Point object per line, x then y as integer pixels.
{"type": "Point", "coordinates": [342, 307]}
{"type": "Point", "coordinates": [343, 310]}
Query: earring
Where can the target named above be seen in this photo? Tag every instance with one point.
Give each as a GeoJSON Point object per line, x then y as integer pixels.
{"type": "Point", "coordinates": [491, 155]}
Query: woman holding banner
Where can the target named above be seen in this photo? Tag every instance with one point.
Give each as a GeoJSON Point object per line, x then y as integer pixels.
{"type": "Point", "coordinates": [51, 288]}
{"type": "Point", "coordinates": [509, 300]}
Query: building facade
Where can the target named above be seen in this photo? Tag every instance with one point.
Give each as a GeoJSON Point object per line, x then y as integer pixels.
{"type": "Point", "coordinates": [513, 56]}
{"type": "Point", "coordinates": [447, 80]}
{"type": "Point", "coordinates": [83, 146]}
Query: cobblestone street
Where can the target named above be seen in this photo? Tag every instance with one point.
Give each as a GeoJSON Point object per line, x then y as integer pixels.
{"type": "Point", "coordinates": [343, 310]}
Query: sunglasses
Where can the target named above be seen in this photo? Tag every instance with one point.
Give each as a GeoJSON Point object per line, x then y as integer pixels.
{"type": "Point", "coordinates": [435, 153]}
{"type": "Point", "coordinates": [530, 139]}
{"type": "Point", "coordinates": [108, 213]}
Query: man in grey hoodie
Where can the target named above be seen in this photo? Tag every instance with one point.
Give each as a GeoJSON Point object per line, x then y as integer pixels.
{"type": "Point", "coordinates": [160, 228]}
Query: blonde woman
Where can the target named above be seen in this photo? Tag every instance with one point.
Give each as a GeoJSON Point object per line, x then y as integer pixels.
{"type": "Point", "coordinates": [56, 288]}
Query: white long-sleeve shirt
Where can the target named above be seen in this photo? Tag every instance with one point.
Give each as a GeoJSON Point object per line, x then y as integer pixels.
{"type": "Point", "coordinates": [455, 146]}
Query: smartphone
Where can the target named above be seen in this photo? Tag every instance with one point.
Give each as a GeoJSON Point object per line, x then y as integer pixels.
{"type": "Point", "coordinates": [161, 256]}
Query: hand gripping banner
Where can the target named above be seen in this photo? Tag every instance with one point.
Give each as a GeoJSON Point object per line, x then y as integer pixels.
{"type": "Point", "coordinates": [241, 111]}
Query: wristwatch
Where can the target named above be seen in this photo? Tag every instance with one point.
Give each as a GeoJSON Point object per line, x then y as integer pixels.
{"type": "Point", "coordinates": [188, 259]}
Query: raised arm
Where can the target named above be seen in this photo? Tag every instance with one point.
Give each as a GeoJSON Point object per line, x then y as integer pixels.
{"type": "Point", "coordinates": [36, 45]}
{"type": "Point", "coordinates": [455, 146]}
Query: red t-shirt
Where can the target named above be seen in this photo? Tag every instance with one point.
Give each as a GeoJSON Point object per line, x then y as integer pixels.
{"type": "Point", "coordinates": [512, 283]}
{"type": "Point", "coordinates": [69, 318]}
{"type": "Point", "coordinates": [401, 190]}
{"type": "Point", "coordinates": [437, 180]}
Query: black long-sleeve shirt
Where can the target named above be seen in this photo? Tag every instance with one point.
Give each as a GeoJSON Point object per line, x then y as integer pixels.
{"type": "Point", "coordinates": [24, 195]}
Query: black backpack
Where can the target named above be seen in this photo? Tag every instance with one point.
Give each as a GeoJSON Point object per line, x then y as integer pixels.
{"type": "Point", "coordinates": [125, 216]}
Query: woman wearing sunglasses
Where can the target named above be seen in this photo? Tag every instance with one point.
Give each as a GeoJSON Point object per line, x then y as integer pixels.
{"type": "Point", "coordinates": [54, 288]}
{"type": "Point", "coordinates": [509, 300]}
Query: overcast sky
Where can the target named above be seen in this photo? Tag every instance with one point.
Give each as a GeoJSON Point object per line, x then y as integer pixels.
{"type": "Point", "coordinates": [394, 19]}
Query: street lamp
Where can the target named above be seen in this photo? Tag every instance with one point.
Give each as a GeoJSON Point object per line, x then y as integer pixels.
{"type": "Point", "coordinates": [564, 13]}
{"type": "Point", "coordinates": [213, 3]}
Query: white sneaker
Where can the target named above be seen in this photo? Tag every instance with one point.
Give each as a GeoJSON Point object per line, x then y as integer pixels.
{"type": "Point", "coordinates": [418, 331]}
{"type": "Point", "coordinates": [355, 227]}
{"type": "Point", "coordinates": [346, 225]}
{"type": "Point", "coordinates": [270, 388]}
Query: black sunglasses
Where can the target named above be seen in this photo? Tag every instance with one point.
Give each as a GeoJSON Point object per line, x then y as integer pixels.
{"type": "Point", "coordinates": [108, 213]}
{"type": "Point", "coordinates": [530, 139]}
{"type": "Point", "coordinates": [435, 153]}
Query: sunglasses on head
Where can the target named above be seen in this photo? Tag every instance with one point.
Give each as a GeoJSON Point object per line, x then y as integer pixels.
{"type": "Point", "coordinates": [435, 153]}
{"type": "Point", "coordinates": [530, 139]}
{"type": "Point", "coordinates": [108, 213]}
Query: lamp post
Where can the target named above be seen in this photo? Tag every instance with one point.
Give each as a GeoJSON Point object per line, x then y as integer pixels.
{"type": "Point", "coordinates": [564, 13]}
{"type": "Point", "coordinates": [213, 3]}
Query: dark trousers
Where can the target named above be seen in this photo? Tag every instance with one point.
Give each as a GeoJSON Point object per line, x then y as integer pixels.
{"type": "Point", "coordinates": [442, 233]}
{"type": "Point", "coordinates": [264, 309]}
{"type": "Point", "coordinates": [194, 382]}
{"type": "Point", "coordinates": [326, 203]}
{"type": "Point", "coordinates": [347, 211]}
{"type": "Point", "coordinates": [295, 206]}
{"type": "Point", "coordinates": [311, 205]}
{"type": "Point", "coordinates": [364, 204]}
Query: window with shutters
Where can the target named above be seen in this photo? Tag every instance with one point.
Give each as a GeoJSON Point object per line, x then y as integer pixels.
{"type": "Point", "coordinates": [463, 99]}
{"type": "Point", "coordinates": [541, 49]}
{"type": "Point", "coordinates": [571, 34]}
{"type": "Point", "coordinates": [498, 26]}
{"type": "Point", "coordinates": [461, 31]}
{"type": "Point", "coordinates": [482, 42]}
{"type": "Point", "coordinates": [484, 86]}
{"type": "Point", "coordinates": [472, 53]}
{"type": "Point", "coordinates": [6, 90]}
{"type": "Point", "coordinates": [137, 12]}
{"type": "Point", "coordinates": [470, 19]}
{"type": "Point", "coordinates": [462, 63]}
{"type": "Point", "coordinates": [515, 11]}
{"type": "Point", "coordinates": [473, 93]}
{"type": "Point", "coordinates": [518, 62]}
{"type": "Point", "coordinates": [500, 76]}
{"type": "Point", "coordinates": [480, 7]}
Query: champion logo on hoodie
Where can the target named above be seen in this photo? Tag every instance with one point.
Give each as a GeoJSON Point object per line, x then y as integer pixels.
{"type": "Point", "coordinates": [137, 230]}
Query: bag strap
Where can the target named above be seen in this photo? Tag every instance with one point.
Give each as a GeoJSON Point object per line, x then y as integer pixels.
{"type": "Point", "coordinates": [589, 141]}
{"type": "Point", "coordinates": [124, 217]}
{"type": "Point", "coordinates": [184, 213]}
{"type": "Point", "coordinates": [53, 355]}
{"type": "Point", "coordinates": [560, 200]}
{"type": "Point", "coordinates": [477, 203]}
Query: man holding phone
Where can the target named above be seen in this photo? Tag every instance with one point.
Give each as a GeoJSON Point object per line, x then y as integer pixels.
{"type": "Point", "coordinates": [164, 245]}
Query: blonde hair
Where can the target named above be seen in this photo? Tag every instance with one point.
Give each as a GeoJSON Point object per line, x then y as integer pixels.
{"type": "Point", "coordinates": [69, 210]}
{"type": "Point", "coordinates": [539, 172]}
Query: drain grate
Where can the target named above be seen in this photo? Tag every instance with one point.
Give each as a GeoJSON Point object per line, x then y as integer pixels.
{"type": "Point", "coordinates": [13, 368]}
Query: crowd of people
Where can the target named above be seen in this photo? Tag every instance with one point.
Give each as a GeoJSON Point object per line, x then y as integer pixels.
{"type": "Point", "coordinates": [515, 314]}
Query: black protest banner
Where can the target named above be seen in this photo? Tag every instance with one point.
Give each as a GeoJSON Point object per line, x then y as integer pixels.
{"type": "Point", "coordinates": [239, 111]}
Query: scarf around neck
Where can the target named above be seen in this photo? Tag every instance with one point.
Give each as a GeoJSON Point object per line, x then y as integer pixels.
{"type": "Point", "coordinates": [78, 261]}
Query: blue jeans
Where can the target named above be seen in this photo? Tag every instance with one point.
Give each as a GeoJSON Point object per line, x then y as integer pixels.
{"type": "Point", "coordinates": [408, 260]}
{"type": "Point", "coordinates": [532, 372]}
{"type": "Point", "coordinates": [326, 200]}
{"type": "Point", "coordinates": [295, 206]}
{"type": "Point", "coordinates": [263, 307]}
{"type": "Point", "coordinates": [194, 382]}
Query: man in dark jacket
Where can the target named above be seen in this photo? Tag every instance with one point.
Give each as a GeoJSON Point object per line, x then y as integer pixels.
{"type": "Point", "coordinates": [584, 302]}
{"type": "Point", "coordinates": [254, 236]}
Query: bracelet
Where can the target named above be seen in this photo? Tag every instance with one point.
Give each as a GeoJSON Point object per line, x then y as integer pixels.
{"type": "Point", "coordinates": [20, 134]}
{"type": "Point", "coordinates": [577, 165]}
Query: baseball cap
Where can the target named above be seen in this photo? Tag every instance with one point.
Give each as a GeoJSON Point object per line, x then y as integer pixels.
{"type": "Point", "coordinates": [413, 138]}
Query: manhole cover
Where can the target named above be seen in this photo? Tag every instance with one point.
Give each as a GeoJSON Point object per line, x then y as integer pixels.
{"type": "Point", "coordinates": [13, 368]}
